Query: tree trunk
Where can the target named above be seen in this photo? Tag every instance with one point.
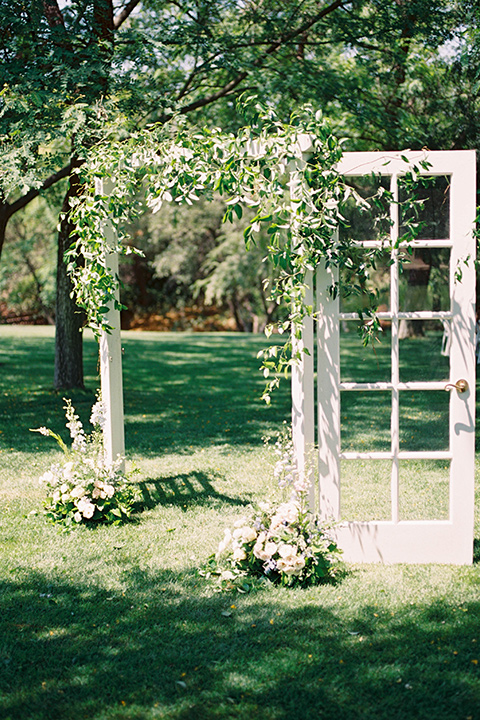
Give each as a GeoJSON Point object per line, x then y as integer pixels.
{"type": "Point", "coordinates": [69, 318]}
{"type": "Point", "coordinates": [4, 217]}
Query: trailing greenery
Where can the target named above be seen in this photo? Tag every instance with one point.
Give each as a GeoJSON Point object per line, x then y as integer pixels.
{"type": "Point", "coordinates": [264, 167]}
{"type": "Point", "coordinates": [250, 168]}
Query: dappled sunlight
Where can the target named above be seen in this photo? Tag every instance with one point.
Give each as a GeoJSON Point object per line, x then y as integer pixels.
{"type": "Point", "coordinates": [157, 649]}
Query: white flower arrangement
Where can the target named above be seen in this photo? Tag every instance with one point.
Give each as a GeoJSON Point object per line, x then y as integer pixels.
{"type": "Point", "coordinates": [86, 489]}
{"type": "Point", "coordinates": [285, 543]}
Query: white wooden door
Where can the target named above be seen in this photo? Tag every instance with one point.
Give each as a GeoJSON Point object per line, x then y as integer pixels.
{"type": "Point", "coordinates": [438, 454]}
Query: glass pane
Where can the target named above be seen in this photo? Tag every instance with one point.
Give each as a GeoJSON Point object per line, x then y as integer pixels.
{"type": "Point", "coordinates": [431, 210]}
{"type": "Point", "coordinates": [424, 350]}
{"type": "Point", "coordinates": [364, 364]}
{"type": "Point", "coordinates": [369, 286]}
{"type": "Point", "coordinates": [424, 489]}
{"type": "Point", "coordinates": [424, 420]}
{"type": "Point", "coordinates": [369, 220]}
{"type": "Point", "coordinates": [365, 419]}
{"type": "Point", "coordinates": [365, 490]}
{"type": "Point", "coordinates": [424, 280]}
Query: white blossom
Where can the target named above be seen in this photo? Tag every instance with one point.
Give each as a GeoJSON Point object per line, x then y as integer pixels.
{"type": "Point", "coordinates": [98, 416]}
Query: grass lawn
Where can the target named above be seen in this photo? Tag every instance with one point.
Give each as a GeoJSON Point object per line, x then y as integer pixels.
{"type": "Point", "coordinates": [117, 623]}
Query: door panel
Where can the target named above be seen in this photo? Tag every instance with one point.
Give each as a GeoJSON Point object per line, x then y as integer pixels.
{"type": "Point", "coordinates": [396, 450]}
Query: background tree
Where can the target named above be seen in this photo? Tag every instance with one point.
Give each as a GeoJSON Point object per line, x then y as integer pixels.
{"type": "Point", "coordinates": [27, 273]}
{"type": "Point", "coordinates": [72, 70]}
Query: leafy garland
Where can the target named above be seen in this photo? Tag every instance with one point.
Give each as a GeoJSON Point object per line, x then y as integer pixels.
{"type": "Point", "coordinates": [172, 163]}
{"type": "Point", "coordinates": [262, 166]}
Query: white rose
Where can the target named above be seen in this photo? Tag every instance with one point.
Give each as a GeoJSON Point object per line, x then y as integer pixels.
{"type": "Point", "coordinates": [82, 504]}
{"type": "Point", "coordinates": [239, 554]}
{"type": "Point", "coordinates": [248, 534]}
{"type": "Point", "coordinates": [223, 544]}
{"type": "Point", "coordinates": [270, 548]}
{"type": "Point", "coordinates": [78, 491]}
{"type": "Point", "coordinates": [259, 551]}
{"type": "Point", "coordinates": [77, 517]}
{"type": "Point", "coordinates": [264, 552]}
{"type": "Point", "coordinates": [283, 565]}
{"type": "Point", "coordinates": [88, 510]}
{"type": "Point", "coordinates": [285, 550]}
{"type": "Point", "coordinates": [109, 490]}
{"type": "Point", "coordinates": [299, 563]}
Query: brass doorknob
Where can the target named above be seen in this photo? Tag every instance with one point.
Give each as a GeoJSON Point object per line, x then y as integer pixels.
{"type": "Point", "coordinates": [460, 386]}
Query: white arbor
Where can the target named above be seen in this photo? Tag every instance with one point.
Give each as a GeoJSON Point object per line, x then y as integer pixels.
{"type": "Point", "coordinates": [316, 391]}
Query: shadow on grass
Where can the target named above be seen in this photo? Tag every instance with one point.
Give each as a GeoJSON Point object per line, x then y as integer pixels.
{"type": "Point", "coordinates": [183, 490]}
{"type": "Point", "coordinates": [160, 650]}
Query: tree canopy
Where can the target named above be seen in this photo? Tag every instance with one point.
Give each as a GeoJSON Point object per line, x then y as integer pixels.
{"type": "Point", "coordinates": [387, 75]}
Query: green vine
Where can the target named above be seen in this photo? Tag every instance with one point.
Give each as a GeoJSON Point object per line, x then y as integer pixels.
{"type": "Point", "coordinates": [262, 166]}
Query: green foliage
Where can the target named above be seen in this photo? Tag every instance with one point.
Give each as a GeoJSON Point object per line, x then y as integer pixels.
{"type": "Point", "coordinates": [253, 168]}
{"type": "Point", "coordinates": [385, 75]}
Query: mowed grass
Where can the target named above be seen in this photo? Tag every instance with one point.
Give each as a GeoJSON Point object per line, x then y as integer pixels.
{"type": "Point", "coordinates": [117, 622]}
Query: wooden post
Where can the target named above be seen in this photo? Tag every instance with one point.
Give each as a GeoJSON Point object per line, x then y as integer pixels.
{"type": "Point", "coordinates": [328, 394]}
{"type": "Point", "coordinates": [303, 392]}
{"type": "Point", "coordinates": [303, 402]}
{"type": "Point", "coordinates": [111, 361]}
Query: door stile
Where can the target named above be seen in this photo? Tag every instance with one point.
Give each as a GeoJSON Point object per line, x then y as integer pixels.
{"type": "Point", "coordinates": [328, 393]}
{"type": "Point", "coordinates": [462, 358]}
{"type": "Point", "coordinates": [395, 351]}
{"type": "Point", "coordinates": [303, 404]}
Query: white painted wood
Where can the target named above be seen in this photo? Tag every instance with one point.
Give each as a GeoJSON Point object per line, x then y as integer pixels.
{"type": "Point", "coordinates": [405, 541]}
{"type": "Point", "coordinates": [402, 455]}
{"type": "Point", "coordinates": [410, 315]}
{"type": "Point", "coordinates": [302, 391]}
{"type": "Point", "coordinates": [110, 348]}
{"type": "Point", "coordinates": [303, 408]}
{"type": "Point", "coordinates": [328, 394]}
{"type": "Point", "coordinates": [395, 354]}
{"type": "Point", "coordinates": [462, 353]}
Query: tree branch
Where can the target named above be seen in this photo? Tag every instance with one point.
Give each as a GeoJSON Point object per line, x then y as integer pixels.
{"type": "Point", "coordinates": [12, 208]}
{"type": "Point", "coordinates": [53, 13]}
{"type": "Point", "coordinates": [103, 19]}
{"type": "Point", "coordinates": [273, 47]}
{"type": "Point", "coordinates": [125, 13]}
